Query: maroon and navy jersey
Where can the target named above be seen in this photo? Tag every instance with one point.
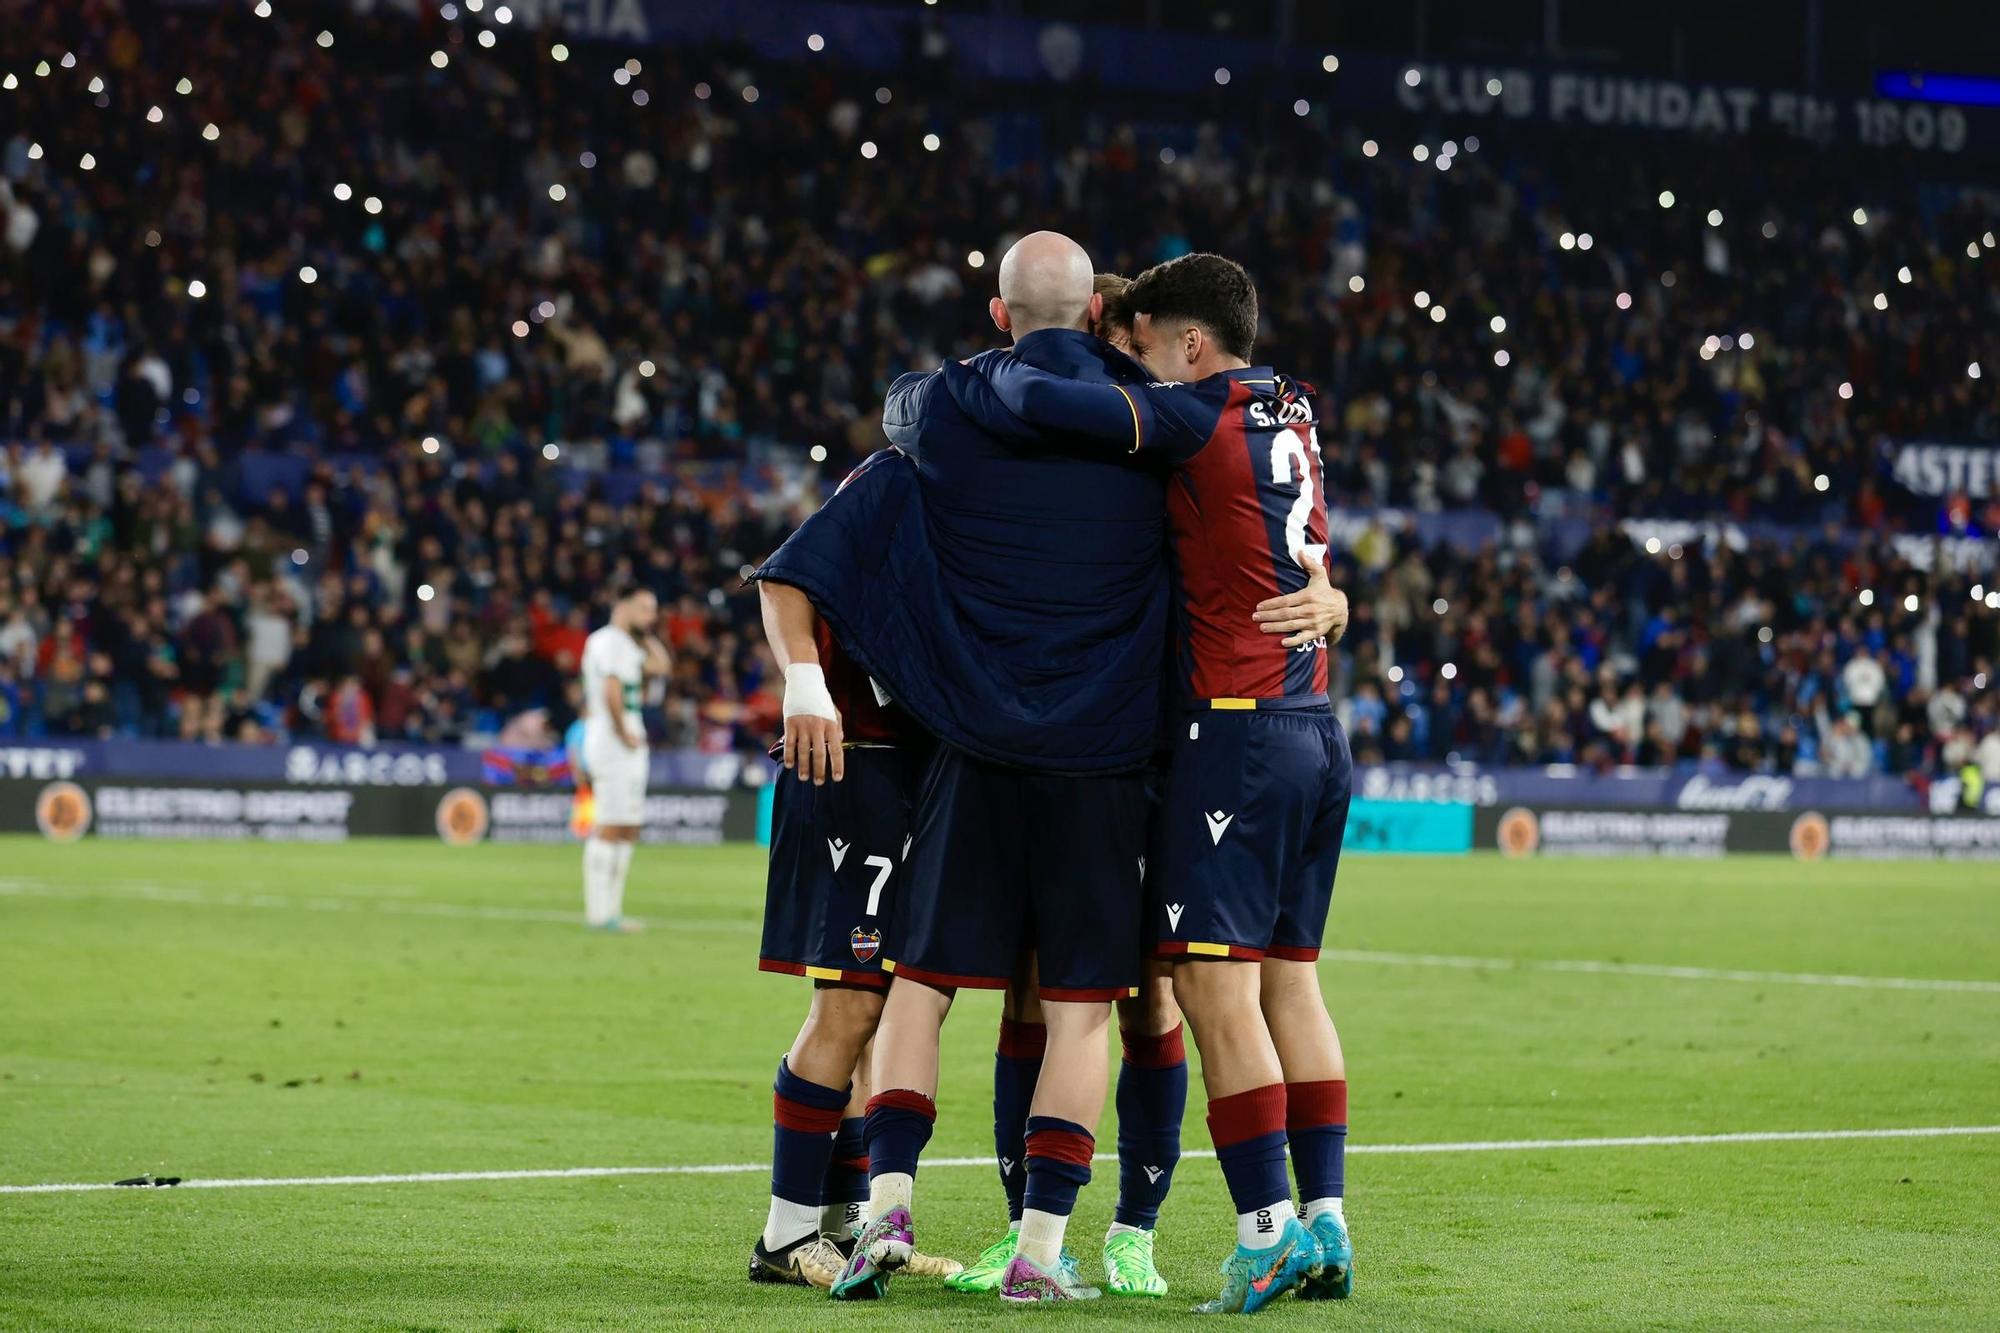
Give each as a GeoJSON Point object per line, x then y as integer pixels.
{"type": "Point", "coordinates": [863, 718]}
{"type": "Point", "coordinates": [1247, 497]}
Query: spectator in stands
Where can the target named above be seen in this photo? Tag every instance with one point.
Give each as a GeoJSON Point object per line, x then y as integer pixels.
{"type": "Point", "coordinates": [1848, 754]}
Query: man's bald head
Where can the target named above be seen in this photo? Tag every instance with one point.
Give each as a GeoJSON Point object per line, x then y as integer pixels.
{"type": "Point", "coordinates": [1045, 283]}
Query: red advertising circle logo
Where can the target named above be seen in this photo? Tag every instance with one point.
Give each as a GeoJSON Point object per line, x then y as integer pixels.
{"type": "Point", "coordinates": [1520, 833]}
{"type": "Point", "coordinates": [62, 812]}
{"type": "Point", "coordinates": [462, 817]}
{"type": "Point", "coordinates": [1811, 838]}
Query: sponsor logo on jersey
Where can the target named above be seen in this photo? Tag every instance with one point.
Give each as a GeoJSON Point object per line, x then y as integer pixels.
{"type": "Point", "coordinates": [1218, 824]}
{"type": "Point", "coordinates": [865, 943]}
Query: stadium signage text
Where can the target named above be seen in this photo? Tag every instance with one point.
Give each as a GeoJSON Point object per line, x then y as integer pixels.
{"type": "Point", "coordinates": [365, 768]}
{"type": "Point", "coordinates": [1568, 96]}
{"type": "Point", "coordinates": [222, 813]}
{"type": "Point", "coordinates": [670, 817]}
{"type": "Point", "coordinates": [1890, 837]}
{"type": "Point", "coordinates": [1751, 793]}
{"type": "Point", "coordinates": [625, 19]}
{"type": "Point", "coordinates": [43, 764]}
{"type": "Point", "coordinates": [1947, 469]}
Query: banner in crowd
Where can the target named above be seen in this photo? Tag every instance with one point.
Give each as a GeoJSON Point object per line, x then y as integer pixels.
{"type": "Point", "coordinates": [315, 765]}
{"type": "Point", "coordinates": [1593, 97]}
{"type": "Point", "coordinates": [311, 764]}
{"type": "Point", "coordinates": [1972, 556]}
{"type": "Point", "coordinates": [939, 40]}
{"type": "Point", "coordinates": [1924, 467]}
{"type": "Point", "coordinates": [227, 811]}
{"type": "Point", "coordinates": [1656, 789]}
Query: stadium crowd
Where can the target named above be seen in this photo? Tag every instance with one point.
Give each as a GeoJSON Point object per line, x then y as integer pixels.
{"type": "Point", "coordinates": [335, 406]}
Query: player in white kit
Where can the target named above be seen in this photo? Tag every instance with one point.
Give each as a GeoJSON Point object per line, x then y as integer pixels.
{"type": "Point", "coordinates": [617, 659]}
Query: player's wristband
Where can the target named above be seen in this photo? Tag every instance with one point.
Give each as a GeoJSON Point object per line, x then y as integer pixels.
{"type": "Point", "coordinates": [806, 693]}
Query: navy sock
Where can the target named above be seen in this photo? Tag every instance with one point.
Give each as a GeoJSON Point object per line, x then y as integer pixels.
{"type": "Point", "coordinates": [1152, 1099]}
{"type": "Point", "coordinates": [898, 1125]}
{"type": "Point", "coordinates": [1316, 1123]}
{"type": "Point", "coordinates": [804, 1115]}
{"type": "Point", "coordinates": [847, 1170]}
{"type": "Point", "coordinates": [1017, 1065]}
{"type": "Point", "coordinates": [1059, 1153]}
{"type": "Point", "coordinates": [1249, 1133]}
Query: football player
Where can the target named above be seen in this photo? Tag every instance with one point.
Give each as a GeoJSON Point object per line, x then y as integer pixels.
{"type": "Point", "coordinates": [840, 831]}
{"type": "Point", "coordinates": [1257, 798]}
{"type": "Point", "coordinates": [617, 660]}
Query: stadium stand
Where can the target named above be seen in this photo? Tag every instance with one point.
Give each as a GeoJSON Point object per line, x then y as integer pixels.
{"type": "Point", "coordinates": [337, 422]}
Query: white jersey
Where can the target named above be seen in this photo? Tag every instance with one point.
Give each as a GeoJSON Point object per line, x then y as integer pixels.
{"type": "Point", "coordinates": [611, 654]}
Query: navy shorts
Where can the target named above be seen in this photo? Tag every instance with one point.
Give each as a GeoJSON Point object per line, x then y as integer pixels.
{"type": "Point", "coordinates": [1256, 806]}
{"type": "Point", "coordinates": [1009, 862]}
{"type": "Point", "coordinates": [837, 855]}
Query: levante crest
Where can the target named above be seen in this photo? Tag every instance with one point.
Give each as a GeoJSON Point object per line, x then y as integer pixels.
{"type": "Point", "coordinates": [865, 943]}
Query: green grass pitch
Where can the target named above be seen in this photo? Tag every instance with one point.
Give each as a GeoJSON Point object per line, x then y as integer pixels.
{"type": "Point", "coordinates": [234, 1011]}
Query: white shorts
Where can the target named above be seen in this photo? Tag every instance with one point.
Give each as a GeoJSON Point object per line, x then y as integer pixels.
{"type": "Point", "coordinates": [617, 782]}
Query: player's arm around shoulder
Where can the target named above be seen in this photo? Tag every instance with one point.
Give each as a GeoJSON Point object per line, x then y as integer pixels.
{"type": "Point", "coordinates": [1109, 414]}
{"type": "Point", "coordinates": [812, 743]}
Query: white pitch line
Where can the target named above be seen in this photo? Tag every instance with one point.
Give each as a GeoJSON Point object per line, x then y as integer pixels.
{"type": "Point", "coordinates": [748, 1168]}
{"type": "Point", "coordinates": [154, 893]}
{"type": "Point", "coordinates": [1666, 970]}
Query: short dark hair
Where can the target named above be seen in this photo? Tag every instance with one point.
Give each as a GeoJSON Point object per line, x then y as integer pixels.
{"type": "Point", "coordinates": [1204, 289]}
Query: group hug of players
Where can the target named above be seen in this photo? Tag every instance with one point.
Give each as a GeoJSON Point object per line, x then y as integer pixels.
{"type": "Point", "coordinates": [1057, 722]}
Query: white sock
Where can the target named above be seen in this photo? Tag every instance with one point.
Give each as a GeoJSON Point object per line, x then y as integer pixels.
{"type": "Point", "coordinates": [596, 870]}
{"type": "Point", "coordinates": [1041, 1238]}
{"type": "Point", "coordinates": [891, 1189]}
{"type": "Point", "coordinates": [1119, 1229]}
{"type": "Point", "coordinates": [1263, 1228]}
{"type": "Point", "coordinates": [789, 1223]}
{"type": "Point", "coordinates": [614, 892]}
{"type": "Point", "coordinates": [837, 1220]}
{"type": "Point", "coordinates": [1320, 1207]}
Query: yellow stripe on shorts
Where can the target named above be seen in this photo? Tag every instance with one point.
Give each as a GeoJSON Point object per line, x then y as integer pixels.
{"type": "Point", "coordinates": [1235, 705]}
{"type": "Point", "coordinates": [824, 973]}
{"type": "Point", "coordinates": [1212, 950]}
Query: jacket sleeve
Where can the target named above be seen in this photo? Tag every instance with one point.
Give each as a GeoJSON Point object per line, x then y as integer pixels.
{"type": "Point", "coordinates": [1174, 420]}
{"type": "Point", "coordinates": [903, 409]}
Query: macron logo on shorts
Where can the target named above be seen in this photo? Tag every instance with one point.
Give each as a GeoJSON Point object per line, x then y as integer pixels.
{"type": "Point", "coordinates": [1174, 911]}
{"type": "Point", "coordinates": [1218, 823]}
{"type": "Point", "coordinates": [838, 850]}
